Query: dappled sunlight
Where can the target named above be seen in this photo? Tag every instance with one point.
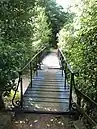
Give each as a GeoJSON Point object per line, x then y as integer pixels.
{"type": "Point", "coordinates": [34, 106]}
{"type": "Point", "coordinates": [21, 122]}
{"type": "Point", "coordinates": [37, 106]}
{"type": "Point", "coordinates": [29, 121]}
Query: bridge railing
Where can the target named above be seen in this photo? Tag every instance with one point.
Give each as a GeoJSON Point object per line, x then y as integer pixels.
{"type": "Point", "coordinates": [87, 107]}
{"type": "Point", "coordinates": [84, 104]}
{"type": "Point", "coordinates": [26, 74]}
{"type": "Point", "coordinates": [69, 74]}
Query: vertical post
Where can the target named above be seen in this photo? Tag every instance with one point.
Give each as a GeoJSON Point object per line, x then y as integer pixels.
{"type": "Point", "coordinates": [71, 86]}
{"type": "Point", "coordinates": [31, 73]}
{"type": "Point", "coordinates": [62, 62]}
{"type": "Point", "coordinates": [36, 66]}
{"type": "Point", "coordinates": [79, 100]}
{"type": "Point", "coordinates": [39, 61]}
{"type": "Point", "coordinates": [21, 87]}
{"type": "Point", "coordinates": [65, 75]}
{"type": "Point", "coordinates": [58, 53]}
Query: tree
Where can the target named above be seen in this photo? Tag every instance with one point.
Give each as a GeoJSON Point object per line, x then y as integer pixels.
{"type": "Point", "coordinates": [56, 16]}
{"type": "Point", "coordinates": [24, 29]}
{"type": "Point", "coordinates": [15, 37]}
{"type": "Point", "coordinates": [42, 30]}
{"type": "Point", "coordinates": [79, 41]}
{"type": "Point", "coordinates": [25, 26]}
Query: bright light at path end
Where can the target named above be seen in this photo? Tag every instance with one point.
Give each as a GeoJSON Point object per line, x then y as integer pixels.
{"type": "Point", "coordinates": [64, 3]}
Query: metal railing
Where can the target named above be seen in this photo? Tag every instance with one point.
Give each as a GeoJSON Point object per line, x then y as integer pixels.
{"type": "Point", "coordinates": [30, 68]}
{"type": "Point", "coordinates": [84, 104]}
{"type": "Point", "coordinates": [87, 107]}
{"type": "Point", "coordinates": [65, 67]}
{"type": "Point", "coordinates": [16, 104]}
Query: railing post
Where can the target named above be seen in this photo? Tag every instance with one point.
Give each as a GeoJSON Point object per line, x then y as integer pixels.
{"type": "Point", "coordinates": [79, 100]}
{"type": "Point", "coordinates": [39, 61]}
{"type": "Point", "coordinates": [58, 53]}
{"type": "Point", "coordinates": [62, 62]}
{"type": "Point", "coordinates": [36, 66]}
{"type": "Point", "coordinates": [21, 87]}
{"type": "Point", "coordinates": [65, 75]}
{"type": "Point", "coordinates": [31, 73]}
{"type": "Point", "coordinates": [71, 86]}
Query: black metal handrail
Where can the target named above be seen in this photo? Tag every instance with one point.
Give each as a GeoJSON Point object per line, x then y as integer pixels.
{"type": "Point", "coordinates": [63, 59]}
{"type": "Point", "coordinates": [20, 81]}
{"type": "Point", "coordinates": [38, 55]}
{"type": "Point", "coordinates": [87, 107]}
{"type": "Point", "coordinates": [86, 97]}
{"type": "Point", "coordinates": [87, 101]}
{"type": "Point", "coordinates": [41, 50]}
{"type": "Point", "coordinates": [66, 66]}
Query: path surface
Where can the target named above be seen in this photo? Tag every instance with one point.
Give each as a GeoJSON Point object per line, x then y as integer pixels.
{"type": "Point", "coordinates": [51, 61]}
{"type": "Point", "coordinates": [47, 92]}
{"type": "Point", "coordinates": [32, 121]}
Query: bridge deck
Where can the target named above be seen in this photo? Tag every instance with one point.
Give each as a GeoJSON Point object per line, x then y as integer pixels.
{"type": "Point", "coordinates": [47, 92]}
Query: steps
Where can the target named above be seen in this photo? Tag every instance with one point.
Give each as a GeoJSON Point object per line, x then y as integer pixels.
{"type": "Point", "coordinates": [47, 93]}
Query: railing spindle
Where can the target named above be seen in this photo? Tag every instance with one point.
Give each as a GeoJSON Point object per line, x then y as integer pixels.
{"type": "Point", "coordinates": [79, 100]}
{"type": "Point", "coordinates": [21, 87]}
{"type": "Point", "coordinates": [36, 66]}
{"type": "Point", "coordinates": [65, 72]}
{"type": "Point", "coordinates": [39, 60]}
{"type": "Point", "coordinates": [62, 62]}
{"type": "Point", "coordinates": [31, 73]}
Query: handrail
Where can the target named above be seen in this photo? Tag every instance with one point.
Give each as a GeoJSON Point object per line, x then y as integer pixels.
{"type": "Point", "coordinates": [20, 78]}
{"type": "Point", "coordinates": [86, 97]}
{"type": "Point", "coordinates": [87, 113]}
{"type": "Point", "coordinates": [37, 60]}
{"type": "Point", "coordinates": [42, 49]}
{"type": "Point", "coordinates": [86, 116]}
{"type": "Point", "coordinates": [80, 95]}
{"type": "Point", "coordinates": [64, 59]}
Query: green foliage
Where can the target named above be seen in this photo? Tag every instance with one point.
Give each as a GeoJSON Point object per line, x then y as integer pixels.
{"type": "Point", "coordinates": [15, 34]}
{"type": "Point", "coordinates": [41, 31]}
{"type": "Point", "coordinates": [56, 16]}
{"type": "Point", "coordinates": [78, 41]}
{"type": "Point", "coordinates": [24, 28]}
